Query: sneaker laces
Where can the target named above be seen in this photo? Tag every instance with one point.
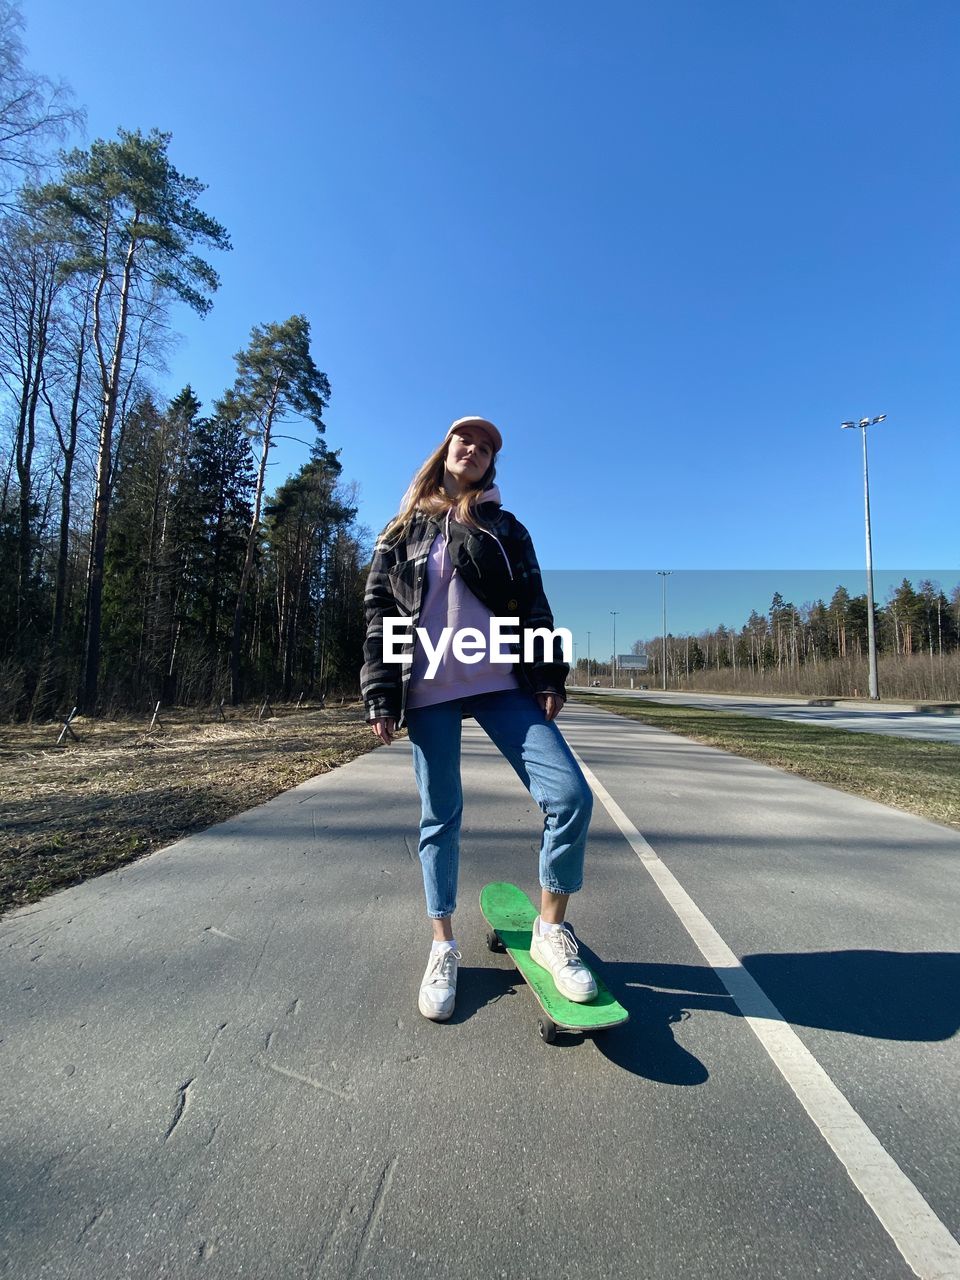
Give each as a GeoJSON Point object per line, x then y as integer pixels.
{"type": "Point", "coordinates": [563, 942]}
{"type": "Point", "coordinates": [442, 968]}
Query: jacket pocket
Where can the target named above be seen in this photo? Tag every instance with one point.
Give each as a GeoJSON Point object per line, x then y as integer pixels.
{"type": "Point", "coordinates": [404, 582]}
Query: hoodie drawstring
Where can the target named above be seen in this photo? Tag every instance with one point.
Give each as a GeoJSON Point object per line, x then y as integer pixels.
{"type": "Point", "coordinates": [502, 552]}
{"type": "Point", "coordinates": [446, 544]}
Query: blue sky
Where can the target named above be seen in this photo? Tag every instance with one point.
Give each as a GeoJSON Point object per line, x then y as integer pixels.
{"type": "Point", "coordinates": [666, 246]}
{"type": "Point", "coordinates": [697, 600]}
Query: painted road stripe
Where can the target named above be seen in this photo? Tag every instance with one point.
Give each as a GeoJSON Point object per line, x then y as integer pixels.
{"type": "Point", "coordinates": [925, 1243]}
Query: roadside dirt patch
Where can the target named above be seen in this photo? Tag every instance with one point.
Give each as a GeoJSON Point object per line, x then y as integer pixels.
{"type": "Point", "coordinates": [71, 812]}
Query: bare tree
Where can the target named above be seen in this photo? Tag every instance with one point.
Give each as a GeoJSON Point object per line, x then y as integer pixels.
{"type": "Point", "coordinates": [34, 111]}
{"type": "Point", "coordinates": [28, 288]}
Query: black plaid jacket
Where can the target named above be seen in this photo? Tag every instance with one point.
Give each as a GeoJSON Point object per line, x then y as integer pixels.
{"type": "Point", "coordinates": [397, 581]}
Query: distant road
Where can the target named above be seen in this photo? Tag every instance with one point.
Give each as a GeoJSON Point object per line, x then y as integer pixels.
{"type": "Point", "coordinates": [880, 717]}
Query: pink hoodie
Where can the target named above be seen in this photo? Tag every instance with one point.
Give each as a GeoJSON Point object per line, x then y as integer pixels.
{"type": "Point", "coordinates": [449, 602]}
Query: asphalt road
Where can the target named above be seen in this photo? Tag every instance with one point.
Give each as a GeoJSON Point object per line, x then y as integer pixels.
{"type": "Point", "coordinates": [935, 724]}
{"type": "Point", "coordinates": [212, 1062]}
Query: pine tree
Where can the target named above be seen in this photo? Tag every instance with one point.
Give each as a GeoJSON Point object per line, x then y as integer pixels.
{"type": "Point", "coordinates": [819, 631]}
{"type": "Point", "coordinates": [904, 614]}
{"type": "Point", "coordinates": [932, 604]}
{"type": "Point", "coordinates": [276, 377]}
{"type": "Point", "coordinates": [216, 513]}
{"type": "Point", "coordinates": [304, 519]}
{"type": "Point", "coordinates": [129, 560]}
{"type": "Point", "coordinates": [132, 222]}
{"type": "Point", "coordinates": [756, 635]}
{"type": "Point", "coordinates": [857, 626]}
{"type": "Point", "coordinates": [839, 612]}
{"type": "Point", "coordinates": [783, 626]}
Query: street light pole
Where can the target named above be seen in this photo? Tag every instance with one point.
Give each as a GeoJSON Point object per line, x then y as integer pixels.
{"type": "Point", "coordinates": [588, 659]}
{"type": "Point", "coordinates": [663, 575]}
{"type": "Point", "coordinates": [871, 629]}
{"type": "Point", "coordinates": [613, 665]}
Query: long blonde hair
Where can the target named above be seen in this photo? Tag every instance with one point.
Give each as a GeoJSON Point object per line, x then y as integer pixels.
{"type": "Point", "coordinates": [425, 494]}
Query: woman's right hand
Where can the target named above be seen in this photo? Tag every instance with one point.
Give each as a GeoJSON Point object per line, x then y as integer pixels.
{"type": "Point", "coordinates": [384, 728]}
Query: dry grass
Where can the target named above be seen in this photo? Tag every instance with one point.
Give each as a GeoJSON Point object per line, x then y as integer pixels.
{"type": "Point", "coordinates": [71, 812]}
{"type": "Point", "coordinates": [913, 678]}
{"type": "Point", "coordinates": [907, 773]}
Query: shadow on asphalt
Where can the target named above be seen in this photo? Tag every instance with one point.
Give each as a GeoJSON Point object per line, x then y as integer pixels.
{"type": "Point", "coordinates": [886, 995]}
{"type": "Point", "coordinates": [477, 987]}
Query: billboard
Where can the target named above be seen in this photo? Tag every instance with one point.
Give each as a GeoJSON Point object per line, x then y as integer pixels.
{"type": "Point", "coordinates": [632, 662]}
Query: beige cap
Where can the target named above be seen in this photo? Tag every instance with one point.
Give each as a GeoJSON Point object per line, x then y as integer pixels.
{"type": "Point", "coordinates": [487, 426]}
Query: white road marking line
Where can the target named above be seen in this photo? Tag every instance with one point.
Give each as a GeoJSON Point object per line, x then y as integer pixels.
{"type": "Point", "coordinates": [927, 1246]}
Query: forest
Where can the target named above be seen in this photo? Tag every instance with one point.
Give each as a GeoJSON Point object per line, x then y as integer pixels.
{"type": "Point", "coordinates": [820, 648]}
{"type": "Point", "coordinates": [142, 558]}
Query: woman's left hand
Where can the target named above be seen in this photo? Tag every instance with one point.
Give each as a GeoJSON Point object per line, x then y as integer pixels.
{"type": "Point", "coordinates": [551, 704]}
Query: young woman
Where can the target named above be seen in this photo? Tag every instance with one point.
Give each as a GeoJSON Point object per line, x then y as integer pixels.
{"type": "Point", "coordinates": [453, 558]}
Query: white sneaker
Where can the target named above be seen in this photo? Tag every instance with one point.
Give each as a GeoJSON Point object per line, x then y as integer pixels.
{"type": "Point", "coordinates": [557, 951]}
{"type": "Point", "coordinates": [438, 990]}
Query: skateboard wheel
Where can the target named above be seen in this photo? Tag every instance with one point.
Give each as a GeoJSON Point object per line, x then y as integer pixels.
{"type": "Point", "coordinates": [548, 1030]}
{"type": "Point", "coordinates": [493, 941]}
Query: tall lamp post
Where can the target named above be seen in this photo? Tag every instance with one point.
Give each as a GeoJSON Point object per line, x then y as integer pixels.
{"type": "Point", "coordinates": [613, 670]}
{"type": "Point", "coordinates": [663, 575]}
{"type": "Point", "coordinates": [588, 659]}
{"type": "Point", "coordinates": [871, 631]}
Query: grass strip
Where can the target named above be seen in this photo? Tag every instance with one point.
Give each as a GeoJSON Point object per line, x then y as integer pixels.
{"type": "Point", "coordinates": [73, 812]}
{"type": "Point", "coordinates": [912, 774]}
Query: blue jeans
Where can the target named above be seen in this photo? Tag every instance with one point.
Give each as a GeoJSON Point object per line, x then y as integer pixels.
{"type": "Point", "coordinates": [536, 748]}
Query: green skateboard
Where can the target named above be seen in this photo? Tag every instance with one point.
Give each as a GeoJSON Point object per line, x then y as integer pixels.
{"type": "Point", "coordinates": [510, 914]}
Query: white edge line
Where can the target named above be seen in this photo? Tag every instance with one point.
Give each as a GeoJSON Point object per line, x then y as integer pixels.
{"type": "Point", "coordinates": [927, 1246]}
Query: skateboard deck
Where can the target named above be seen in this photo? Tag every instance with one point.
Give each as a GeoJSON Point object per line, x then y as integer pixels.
{"type": "Point", "coordinates": [510, 914]}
